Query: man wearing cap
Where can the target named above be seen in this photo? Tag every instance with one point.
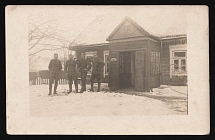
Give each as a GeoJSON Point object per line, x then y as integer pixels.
{"type": "Point", "coordinates": [70, 71]}
{"type": "Point", "coordinates": [54, 68]}
{"type": "Point", "coordinates": [83, 67]}
{"type": "Point", "coordinates": [98, 64]}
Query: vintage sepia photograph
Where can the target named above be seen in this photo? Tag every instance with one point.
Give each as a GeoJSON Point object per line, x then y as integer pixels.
{"type": "Point", "coordinates": [107, 69]}
{"type": "Point", "coordinates": [107, 64]}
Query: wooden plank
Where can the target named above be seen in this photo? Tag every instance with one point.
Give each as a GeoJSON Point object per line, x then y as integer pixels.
{"type": "Point", "coordinates": [114, 70]}
{"type": "Point", "coordinates": [139, 70]}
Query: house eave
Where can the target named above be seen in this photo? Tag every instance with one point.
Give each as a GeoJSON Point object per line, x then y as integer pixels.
{"type": "Point", "coordinates": [81, 46]}
{"type": "Point", "coordinates": [173, 37]}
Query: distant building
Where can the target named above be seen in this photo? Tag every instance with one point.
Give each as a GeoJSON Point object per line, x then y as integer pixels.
{"type": "Point", "coordinates": [133, 57]}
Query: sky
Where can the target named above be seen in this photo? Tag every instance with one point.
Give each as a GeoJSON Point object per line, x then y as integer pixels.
{"type": "Point", "coordinates": [157, 20]}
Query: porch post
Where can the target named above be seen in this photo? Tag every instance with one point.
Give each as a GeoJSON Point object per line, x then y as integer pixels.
{"type": "Point", "coordinates": [148, 67]}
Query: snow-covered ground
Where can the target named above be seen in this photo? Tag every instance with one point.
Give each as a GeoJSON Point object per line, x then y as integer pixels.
{"type": "Point", "coordinates": [102, 103]}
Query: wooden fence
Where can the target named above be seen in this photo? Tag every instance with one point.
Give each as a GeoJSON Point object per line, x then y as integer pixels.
{"type": "Point", "coordinates": [40, 81]}
{"type": "Point", "coordinates": [42, 77]}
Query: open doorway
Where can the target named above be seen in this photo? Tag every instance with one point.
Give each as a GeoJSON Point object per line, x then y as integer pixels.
{"type": "Point", "coordinates": [127, 69]}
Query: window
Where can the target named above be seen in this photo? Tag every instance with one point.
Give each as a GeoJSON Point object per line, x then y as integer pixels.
{"type": "Point", "coordinates": [178, 60]}
{"type": "Point", "coordinates": [89, 55]}
{"type": "Point", "coordinates": [106, 62]}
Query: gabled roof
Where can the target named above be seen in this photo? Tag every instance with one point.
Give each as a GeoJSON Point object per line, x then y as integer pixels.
{"type": "Point", "coordinates": [140, 30]}
{"type": "Point", "coordinates": [100, 30]}
{"type": "Point", "coordinates": [97, 31]}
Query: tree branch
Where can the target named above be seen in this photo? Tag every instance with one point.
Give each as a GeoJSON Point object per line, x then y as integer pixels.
{"type": "Point", "coordinates": [45, 36]}
{"type": "Point", "coordinates": [36, 27]}
{"type": "Point", "coordinates": [39, 38]}
{"type": "Point", "coordinates": [43, 50]}
{"type": "Point", "coordinates": [59, 39]}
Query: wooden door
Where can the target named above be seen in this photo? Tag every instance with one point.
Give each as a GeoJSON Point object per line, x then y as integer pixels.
{"type": "Point", "coordinates": [114, 70]}
{"type": "Point", "coordinates": [125, 69]}
{"type": "Point", "coordinates": [139, 70]}
{"type": "Point", "coordinates": [121, 70]}
{"type": "Point", "coordinates": [127, 72]}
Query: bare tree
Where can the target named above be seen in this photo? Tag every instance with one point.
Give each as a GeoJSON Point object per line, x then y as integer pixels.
{"type": "Point", "coordinates": [45, 35]}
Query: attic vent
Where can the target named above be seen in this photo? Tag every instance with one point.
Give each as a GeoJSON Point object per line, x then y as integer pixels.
{"type": "Point", "coordinates": [127, 24]}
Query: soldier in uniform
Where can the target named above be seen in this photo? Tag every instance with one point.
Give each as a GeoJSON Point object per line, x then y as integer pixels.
{"type": "Point", "coordinates": [98, 64]}
{"type": "Point", "coordinates": [71, 73]}
{"type": "Point", "coordinates": [54, 68]}
{"type": "Point", "coordinates": [84, 66]}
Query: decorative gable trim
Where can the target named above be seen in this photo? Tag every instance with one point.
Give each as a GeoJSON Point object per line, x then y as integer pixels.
{"type": "Point", "coordinates": [127, 19]}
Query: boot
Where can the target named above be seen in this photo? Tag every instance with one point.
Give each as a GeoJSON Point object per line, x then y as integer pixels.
{"type": "Point", "coordinates": [92, 87]}
{"type": "Point", "coordinates": [70, 88]}
{"type": "Point", "coordinates": [82, 89]}
{"type": "Point", "coordinates": [50, 89]}
{"type": "Point", "coordinates": [85, 89]}
{"type": "Point", "coordinates": [76, 88]}
{"type": "Point", "coordinates": [55, 88]}
{"type": "Point", "coordinates": [50, 92]}
{"type": "Point", "coordinates": [98, 90]}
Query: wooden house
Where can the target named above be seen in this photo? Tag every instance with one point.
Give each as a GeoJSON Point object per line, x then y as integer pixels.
{"type": "Point", "coordinates": [133, 57]}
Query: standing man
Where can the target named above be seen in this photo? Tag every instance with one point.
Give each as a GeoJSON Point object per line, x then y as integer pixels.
{"type": "Point", "coordinates": [70, 71]}
{"type": "Point", "coordinates": [54, 68]}
{"type": "Point", "coordinates": [98, 64]}
{"type": "Point", "coordinates": [84, 66]}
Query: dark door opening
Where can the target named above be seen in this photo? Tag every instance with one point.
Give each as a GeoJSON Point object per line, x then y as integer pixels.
{"type": "Point", "coordinates": [126, 69]}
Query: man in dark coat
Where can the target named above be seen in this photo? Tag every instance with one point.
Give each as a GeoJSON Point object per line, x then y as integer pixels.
{"type": "Point", "coordinates": [71, 73]}
{"type": "Point", "coordinates": [84, 66]}
{"type": "Point", "coordinates": [98, 64]}
{"type": "Point", "coordinates": [54, 68]}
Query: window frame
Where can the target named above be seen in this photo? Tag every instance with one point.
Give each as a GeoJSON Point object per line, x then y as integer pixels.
{"type": "Point", "coordinates": [90, 53]}
{"type": "Point", "coordinates": [105, 54]}
{"type": "Point", "coordinates": [173, 49]}
{"type": "Point", "coordinates": [179, 61]}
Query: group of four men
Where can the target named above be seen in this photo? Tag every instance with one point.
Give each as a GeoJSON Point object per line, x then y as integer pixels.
{"type": "Point", "coordinates": [83, 65]}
